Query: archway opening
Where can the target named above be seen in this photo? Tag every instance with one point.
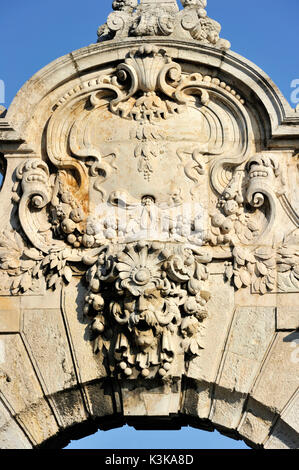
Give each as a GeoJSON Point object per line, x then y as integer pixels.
{"type": "Point", "coordinates": [127, 437]}
{"type": "Point", "coordinates": [120, 434]}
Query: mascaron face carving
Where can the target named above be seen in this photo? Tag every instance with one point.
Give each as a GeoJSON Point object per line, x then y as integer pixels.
{"type": "Point", "coordinates": [143, 203]}
{"type": "Point", "coordinates": [149, 301]}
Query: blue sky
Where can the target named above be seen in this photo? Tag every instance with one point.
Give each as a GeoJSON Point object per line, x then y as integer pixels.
{"type": "Point", "coordinates": [35, 32]}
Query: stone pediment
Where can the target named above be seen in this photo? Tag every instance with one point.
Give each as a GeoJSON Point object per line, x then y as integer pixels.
{"type": "Point", "coordinates": [152, 242]}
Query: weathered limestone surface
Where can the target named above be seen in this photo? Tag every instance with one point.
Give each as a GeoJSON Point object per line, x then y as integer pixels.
{"type": "Point", "coordinates": [149, 259]}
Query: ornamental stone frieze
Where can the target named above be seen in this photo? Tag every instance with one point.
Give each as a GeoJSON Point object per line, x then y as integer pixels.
{"type": "Point", "coordinates": [149, 257]}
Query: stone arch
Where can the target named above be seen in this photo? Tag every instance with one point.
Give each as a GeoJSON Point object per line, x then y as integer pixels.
{"type": "Point", "coordinates": [226, 357]}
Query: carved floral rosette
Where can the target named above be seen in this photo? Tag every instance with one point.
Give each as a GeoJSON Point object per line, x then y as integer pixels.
{"type": "Point", "coordinates": [145, 210]}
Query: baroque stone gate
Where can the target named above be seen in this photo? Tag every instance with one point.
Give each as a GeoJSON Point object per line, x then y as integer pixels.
{"type": "Point", "coordinates": [149, 258]}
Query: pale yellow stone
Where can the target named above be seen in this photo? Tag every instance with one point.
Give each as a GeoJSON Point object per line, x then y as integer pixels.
{"type": "Point", "coordinates": [102, 317]}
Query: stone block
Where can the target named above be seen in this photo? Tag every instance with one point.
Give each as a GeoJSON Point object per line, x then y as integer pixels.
{"type": "Point", "coordinates": [22, 393]}
{"type": "Point", "coordinates": [287, 318]}
{"type": "Point", "coordinates": [279, 373]}
{"type": "Point", "coordinates": [11, 435]}
{"type": "Point", "coordinates": [251, 333]}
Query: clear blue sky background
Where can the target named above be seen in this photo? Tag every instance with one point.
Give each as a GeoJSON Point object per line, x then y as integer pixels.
{"type": "Point", "coordinates": [35, 32]}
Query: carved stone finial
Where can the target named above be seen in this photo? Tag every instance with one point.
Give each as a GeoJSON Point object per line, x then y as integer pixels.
{"type": "Point", "coordinates": [162, 18]}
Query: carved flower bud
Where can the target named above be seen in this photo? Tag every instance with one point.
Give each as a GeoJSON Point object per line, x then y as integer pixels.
{"type": "Point", "coordinates": [86, 309]}
{"type": "Point", "coordinates": [77, 215]}
{"type": "Point", "coordinates": [194, 286]}
{"type": "Point", "coordinates": [88, 240]}
{"type": "Point", "coordinates": [201, 314]}
{"type": "Point", "coordinates": [110, 233]}
{"type": "Point", "coordinates": [227, 226]}
{"type": "Point", "coordinates": [37, 201]}
{"type": "Point", "coordinates": [189, 261]}
{"type": "Point", "coordinates": [190, 306]}
{"type": "Point", "coordinates": [98, 303]}
{"type": "Point", "coordinates": [95, 285]}
{"type": "Point", "coordinates": [201, 13]}
{"type": "Point", "coordinates": [98, 325]}
{"type": "Point", "coordinates": [226, 239]}
{"type": "Point", "coordinates": [231, 207]}
{"type": "Point", "coordinates": [72, 238]}
{"type": "Point", "coordinates": [185, 231]}
{"type": "Point", "coordinates": [145, 372]}
{"type": "Point", "coordinates": [189, 326]}
{"type": "Point", "coordinates": [60, 212]}
{"type": "Point", "coordinates": [218, 220]}
{"type": "Point", "coordinates": [128, 371]}
{"type": "Point", "coordinates": [66, 198]}
{"type": "Point", "coordinates": [68, 226]}
{"type": "Point", "coordinates": [213, 36]}
{"type": "Point", "coordinates": [90, 229]}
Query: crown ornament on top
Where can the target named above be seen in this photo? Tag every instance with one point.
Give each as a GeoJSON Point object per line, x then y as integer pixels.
{"type": "Point", "coordinates": [162, 18]}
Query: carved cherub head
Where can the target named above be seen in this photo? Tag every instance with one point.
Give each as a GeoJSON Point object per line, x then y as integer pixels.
{"type": "Point", "coordinates": [125, 5]}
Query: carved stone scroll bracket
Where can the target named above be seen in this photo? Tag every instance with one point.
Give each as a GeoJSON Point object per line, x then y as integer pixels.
{"type": "Point", "coordinates": [265, 182]}
{"type": "Point", "coordinates": [36, 195]}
